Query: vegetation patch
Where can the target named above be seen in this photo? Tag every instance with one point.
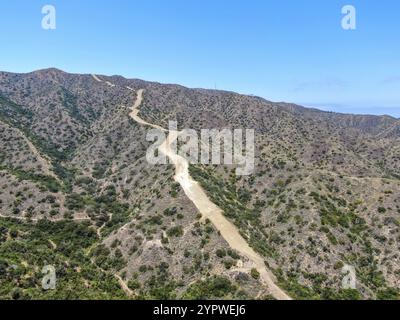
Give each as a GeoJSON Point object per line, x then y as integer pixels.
{"type": "Point", "coordinates": [26, 248]}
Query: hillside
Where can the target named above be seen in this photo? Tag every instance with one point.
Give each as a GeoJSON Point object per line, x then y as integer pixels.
{"type": "Point", "coordinates": [77, 192]}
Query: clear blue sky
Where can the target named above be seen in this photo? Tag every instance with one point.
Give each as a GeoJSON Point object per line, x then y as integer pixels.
{"type": "Point", "coordinates": [283, 50]}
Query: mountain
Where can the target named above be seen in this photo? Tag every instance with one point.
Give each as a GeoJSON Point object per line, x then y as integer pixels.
{"type": "Point", "coordinates": [78, 193]}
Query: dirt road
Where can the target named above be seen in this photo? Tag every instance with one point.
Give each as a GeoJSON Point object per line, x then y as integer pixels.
{"type": "Point", "coordinates": [208, 209]}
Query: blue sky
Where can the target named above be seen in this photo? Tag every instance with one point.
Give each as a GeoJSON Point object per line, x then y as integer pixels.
{"type": "Point", "coordinates": [282, 50]}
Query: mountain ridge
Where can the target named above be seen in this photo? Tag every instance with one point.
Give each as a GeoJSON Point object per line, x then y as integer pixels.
{"type": "Point", "coordinates": [55, 71]}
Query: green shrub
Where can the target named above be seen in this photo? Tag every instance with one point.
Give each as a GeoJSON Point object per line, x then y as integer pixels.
{"type": "Point", "coordinates": [255, 274]}
{"type": "Point", "coordinates": [175, 231]}
{"type": "Point", "coordinates": [381, 210]}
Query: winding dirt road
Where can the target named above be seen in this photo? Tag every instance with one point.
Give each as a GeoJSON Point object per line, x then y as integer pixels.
{"type": "Point", "coordinates": [207, 208]}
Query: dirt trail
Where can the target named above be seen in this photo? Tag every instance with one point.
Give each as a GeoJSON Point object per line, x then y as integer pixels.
{"type": "Point", "coordinates": [207, 208]}
{"type": "Point", "coordinates": [124, 286]}
{"type": "Point", "coordinates": [96, 78]}
{"type": "Point", "coordinates": [99, 230]}
{"type": "Point", "coordinates": [121, 281]}
{"type": "Point", "coordinates": [41, 218]}
{"type": "Point", "coordinates": [100, 80]}
{"type": "Point", "coordinates": [135, 112]}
